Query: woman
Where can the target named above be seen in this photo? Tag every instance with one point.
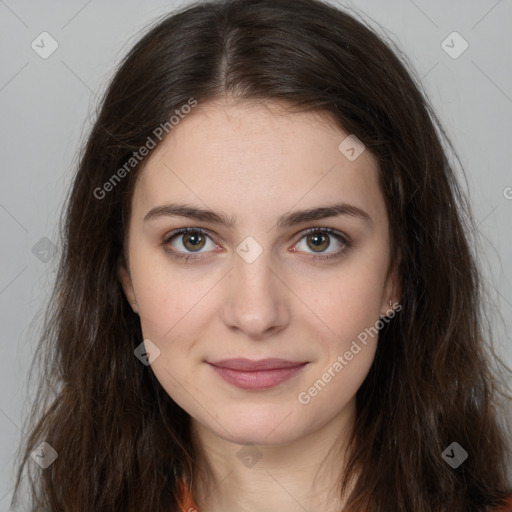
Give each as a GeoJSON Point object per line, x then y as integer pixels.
{"type": "Point", "coordinates": [268, 299]}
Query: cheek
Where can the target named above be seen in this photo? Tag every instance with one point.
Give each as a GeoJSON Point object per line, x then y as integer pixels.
{"type": "Point", "coordinates": [335, 384]}
{"type": "Point", "coordinates": [167, 296]}
{"type": "Point", "coordinates": [346, 344]}
{"type": "Point", "coordinates": [347, 301]}
{"type": "Point", "coordinates": [159, 310]}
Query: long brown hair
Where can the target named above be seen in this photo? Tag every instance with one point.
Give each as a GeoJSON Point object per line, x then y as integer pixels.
{"type": "Point", "coordinates": [122, 442]}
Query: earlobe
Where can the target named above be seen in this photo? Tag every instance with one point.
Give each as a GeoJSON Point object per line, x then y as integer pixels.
{"type": "Point", "coordinates": [126, 282]}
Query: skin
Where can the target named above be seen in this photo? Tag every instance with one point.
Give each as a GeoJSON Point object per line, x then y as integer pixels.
{"type": "Point", "coordinates": [254, 163]}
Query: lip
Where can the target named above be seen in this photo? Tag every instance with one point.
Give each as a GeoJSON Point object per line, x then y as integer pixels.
{"type": "Point", "coordinates": [262, 374]}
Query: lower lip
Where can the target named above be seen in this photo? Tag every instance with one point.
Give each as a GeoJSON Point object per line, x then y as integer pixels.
{"type": "Point", "coordinates": [260, 379]}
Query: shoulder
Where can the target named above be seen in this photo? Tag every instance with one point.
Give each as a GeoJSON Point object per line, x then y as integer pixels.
{"type": "Point", "coordinates": [507, 506]}
{"type": "Point", "coordinates": [187, 503]}
{"type": "Point", "coordinates": [186, 500]}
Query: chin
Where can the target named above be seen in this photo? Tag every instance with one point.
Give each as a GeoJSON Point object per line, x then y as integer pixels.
{"type": "Point", "coordinates": [269, 426]}
{"type": "Point", "coordinates": [262, 437]}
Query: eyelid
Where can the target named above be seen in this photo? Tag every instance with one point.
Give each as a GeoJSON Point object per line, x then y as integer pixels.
{"type": "Point", "coordinates": [180, 231]}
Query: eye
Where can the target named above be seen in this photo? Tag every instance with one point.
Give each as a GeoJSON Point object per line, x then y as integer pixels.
{"type": "Point", "coordinates": [192, 240]}
{"type": "Point", "coordinates": [320, 239]}
{"type": "Point", "coordinates": [188, 243]}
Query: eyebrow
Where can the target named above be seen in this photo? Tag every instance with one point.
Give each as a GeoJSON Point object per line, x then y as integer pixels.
{"type": "Point", "coordinates": [287, 220]}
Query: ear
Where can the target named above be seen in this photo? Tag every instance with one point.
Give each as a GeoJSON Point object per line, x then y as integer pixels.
{"type": "Point", "coordinates": [392, 287]}
{"type": "Point", "coordinates": [125, 279]}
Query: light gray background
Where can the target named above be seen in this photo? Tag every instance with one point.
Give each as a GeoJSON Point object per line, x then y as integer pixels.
{"type": "Point", "coordinates": [48, 106]}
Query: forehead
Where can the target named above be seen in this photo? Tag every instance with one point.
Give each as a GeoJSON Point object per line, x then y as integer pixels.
{"type": "Point", "coordinates": [256, 159]}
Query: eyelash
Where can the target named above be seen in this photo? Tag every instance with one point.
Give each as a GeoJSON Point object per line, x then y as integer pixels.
{"type": "Point", "coordinates": [347, 243]}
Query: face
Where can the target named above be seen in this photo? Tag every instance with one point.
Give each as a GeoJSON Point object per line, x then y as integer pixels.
{"type": "Point", "coordinates": [264, 272]}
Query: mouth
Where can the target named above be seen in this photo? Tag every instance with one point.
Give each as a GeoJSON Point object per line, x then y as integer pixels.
{"type": "Point", "coordinates": [256, 375]}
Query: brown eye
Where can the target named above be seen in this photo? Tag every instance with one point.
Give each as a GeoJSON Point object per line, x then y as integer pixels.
{"type": "Point", "coordinates": [318, 241]}
{"type": "Point", "coordinates": [193, 241]}
{"type": "Point", "coordinates": [187, 241]}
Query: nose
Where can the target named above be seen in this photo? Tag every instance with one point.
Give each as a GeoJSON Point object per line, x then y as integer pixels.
{"type": "Point", "coordinates": [256, 302]}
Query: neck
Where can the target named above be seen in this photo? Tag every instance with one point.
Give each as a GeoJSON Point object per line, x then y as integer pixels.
{"type": "Point", "coordinates": [302, 475]}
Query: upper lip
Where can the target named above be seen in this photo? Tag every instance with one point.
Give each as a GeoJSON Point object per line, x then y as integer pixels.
{"type": "Point", "coordinates": [249, 365]}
